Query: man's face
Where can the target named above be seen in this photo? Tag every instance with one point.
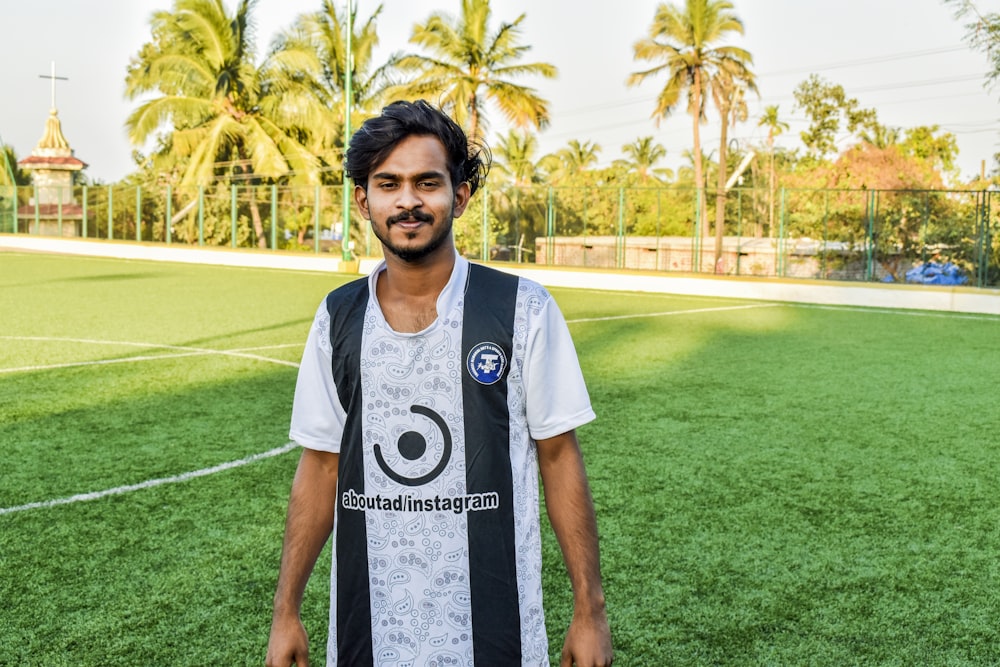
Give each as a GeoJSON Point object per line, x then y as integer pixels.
{"type": "Point", "coordinates": [411, 201]}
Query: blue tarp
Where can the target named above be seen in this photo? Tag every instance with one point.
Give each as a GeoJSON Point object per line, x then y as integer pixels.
{"type": "Point", "coordinates": [935, 273]}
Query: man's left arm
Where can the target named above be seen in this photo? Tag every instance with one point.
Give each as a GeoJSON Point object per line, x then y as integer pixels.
{"type": "Point", "coordinates": [571, 512]}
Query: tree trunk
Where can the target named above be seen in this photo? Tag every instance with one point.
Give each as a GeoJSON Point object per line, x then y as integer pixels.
{"type": "Point", "coordinates": [720, 192]}
{"type": "Point", "coordinates": [698, 167]}
{"type": "Point", "coordinates": [258, 226]}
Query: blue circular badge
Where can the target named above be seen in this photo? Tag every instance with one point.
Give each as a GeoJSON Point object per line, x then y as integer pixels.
{"type": "Point", "coordinates": [486, 363]}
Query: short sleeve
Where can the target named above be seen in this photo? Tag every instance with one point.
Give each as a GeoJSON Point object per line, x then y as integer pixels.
{"type": "Point", "coordinates": [557, 398]}
{"type": "Point", "coordinates": [317, 416]}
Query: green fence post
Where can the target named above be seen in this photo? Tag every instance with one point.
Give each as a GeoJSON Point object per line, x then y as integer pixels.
{"type": "Point", "coordinates": [111, 208]}
{"type": "Point", "coordinates": [485, 240]}
{"type": "Point", "coordinates": [739, 227]}
{"type": "Point", "coordinates": [138, 213]}
{"type": "Point", "coordinates": [84, 211]}
{"type": "Point", "coordinates": [274, 217]}
{"type": "Point", "coordinates": [38, 221]}
{"type": "Point", "coordinates": [870, 255]}
{"type": "Point", "coordinates": [316, 220]}
{"type": "Point", "coordinates": [696, 263]}
{"type": "Point", "coordinates": [59, 209]}
{"type": "Point", "coordinates": [550, 230]}
{"type": "Point", "coordinates": [620, 241]}
{"type": "Point", "coordinates": [201, 215]}
{"type": "Point", "coordinates": [232, 216]}
{"type": "Point", "coordinates": [170, 214]}
{"type": "Point", "coordinates": [780, 264]}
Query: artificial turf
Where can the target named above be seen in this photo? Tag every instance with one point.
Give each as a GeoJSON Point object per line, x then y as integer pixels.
{"type": "Point", "coordinates": [775, 484]}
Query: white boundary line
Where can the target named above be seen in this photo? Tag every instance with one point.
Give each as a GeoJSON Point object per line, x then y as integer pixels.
{"type": "Point", "coordinates": [242, 353]}
{"type": "Point", "coordinates": [184, 350]}
{"type": "Point", "coordinates": [668, 313]}
{"type": "Point", "coordinates": [149, 484]}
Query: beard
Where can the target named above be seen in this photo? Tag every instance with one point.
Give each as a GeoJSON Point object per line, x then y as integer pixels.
{"type": "Point", "coordinates": [414, 253]}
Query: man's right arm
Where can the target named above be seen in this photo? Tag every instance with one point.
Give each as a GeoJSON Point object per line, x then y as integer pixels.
{"type": "Point", "coordinates": [307, 528]}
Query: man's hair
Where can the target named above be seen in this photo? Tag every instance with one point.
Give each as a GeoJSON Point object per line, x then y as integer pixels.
{"type": "Point", "coordinates": [378, 136]}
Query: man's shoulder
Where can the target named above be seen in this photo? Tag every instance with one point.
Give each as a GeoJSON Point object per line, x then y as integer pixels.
{"type": "Point", "coordinates": [348, 294]}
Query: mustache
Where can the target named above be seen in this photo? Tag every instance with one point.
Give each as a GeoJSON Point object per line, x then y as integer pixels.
{"type": "Point", "coordinates": [419, 216]}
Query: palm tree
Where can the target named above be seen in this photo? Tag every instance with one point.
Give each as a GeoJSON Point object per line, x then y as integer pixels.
{"type": "Point", "coordinates": [470, 65]}
{"type": "Point", "coordinates": [221, 113]}
{"type": "Point", "coordinates": [315, 51]}
{"type": "Point", "coordinates": [514, 158]}
{"type": "Point", "coordinates": [643, 155]}
{"type": "Point", "coordinates": [685, 44]}
{"type": "Point", "coordinates": [881, 136]}
{"type": "Point", "coordinates": [729, 97]}
{"type": "Point", "coordinates": [775, 127]}
{"type": "Point", "coordinates": [572, 160]}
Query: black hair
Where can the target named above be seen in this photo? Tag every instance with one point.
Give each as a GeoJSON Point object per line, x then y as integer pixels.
{"type": "Point", "coordinates": [378, 136]}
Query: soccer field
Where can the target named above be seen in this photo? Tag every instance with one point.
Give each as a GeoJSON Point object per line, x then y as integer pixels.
{"type": "Point", "coordinates": [775, 484]}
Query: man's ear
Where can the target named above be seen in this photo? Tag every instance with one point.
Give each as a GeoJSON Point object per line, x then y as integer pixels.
{"type": "Point", "coordinates": [462, 196]}
{"type": "Point", "coordinates": [361, 199]}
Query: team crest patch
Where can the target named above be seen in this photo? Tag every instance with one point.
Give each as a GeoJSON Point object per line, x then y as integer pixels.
{"type": "Point", "coordinates": [486, 363]}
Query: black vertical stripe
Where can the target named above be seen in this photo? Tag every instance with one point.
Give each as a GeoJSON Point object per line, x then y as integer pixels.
{"type": "Point", "coordinates": [490, 300]}
{"type": "Point", "coordinates": [346, 306]}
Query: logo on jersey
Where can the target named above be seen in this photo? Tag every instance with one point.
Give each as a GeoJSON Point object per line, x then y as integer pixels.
{"type": "Point", "coordinates": [412, 445]}
{"type": "Point", "coordinates": [486, 363]}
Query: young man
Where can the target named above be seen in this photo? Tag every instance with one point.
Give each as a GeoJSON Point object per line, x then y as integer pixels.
{"type": "Point", "coordinates": [430, 395]}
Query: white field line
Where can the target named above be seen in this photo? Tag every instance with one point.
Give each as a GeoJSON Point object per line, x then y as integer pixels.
{"type": "Point", "coordinates": [188, 351]}
{"type": "Point", "coordinates": [149, 484]}
{"type": "Point", "coordinates": [183, 349]}
{"type": "Point", "coordinates": [893, 311]}
{"type": "Point", "coordinates": [693, 311]}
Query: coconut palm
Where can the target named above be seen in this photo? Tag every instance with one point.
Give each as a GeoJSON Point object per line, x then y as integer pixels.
{"type": "Point", "coordinates": [572, 160]}
{"type": "Point", "coordinates": [729, 95]}
{"type": "Point", "coordinates": [643, 155]}
{"type": "Point", "coordinates": [470, 65]}
{"type": "Point", "coordinates": [219, 112]}
{"type": "Point", "coordinates": [775, 127]}
{"type": "Point", "coordinates": [685, 43]}
{"type": "Point", "coordinates": [315, 51]}
{"type": "Point", "coordinates": [514, 158]}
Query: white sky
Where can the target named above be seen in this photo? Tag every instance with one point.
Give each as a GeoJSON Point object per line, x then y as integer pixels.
{"type": "Point", "coordinates": [905, 58]}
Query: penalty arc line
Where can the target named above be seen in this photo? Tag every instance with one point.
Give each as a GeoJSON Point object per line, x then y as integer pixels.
{"type": "Point", "coordinates": [184, 477]}
{"type": "Point", "coordinates": [148, 484]}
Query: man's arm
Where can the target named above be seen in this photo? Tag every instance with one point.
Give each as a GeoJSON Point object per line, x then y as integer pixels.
{"type": "Point", "coordinates": [571, 513]}
{"type": "Point", "coordinates": [307, 528]}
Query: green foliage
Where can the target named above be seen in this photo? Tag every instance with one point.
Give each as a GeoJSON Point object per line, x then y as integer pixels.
{"type": "Point", "coordinates": [470, 64]}
{"type": "Point", "coordinates": [827, 105]}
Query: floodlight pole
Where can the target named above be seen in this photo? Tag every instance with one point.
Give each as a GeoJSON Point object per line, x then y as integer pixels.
{"type": "Point", "coordinates": [345, 242]}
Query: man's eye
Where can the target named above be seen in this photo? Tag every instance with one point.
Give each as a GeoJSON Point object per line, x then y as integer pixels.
{"type": "Point", "coordinates": [427, 185]}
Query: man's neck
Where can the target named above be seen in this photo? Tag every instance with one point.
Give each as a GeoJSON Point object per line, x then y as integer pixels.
{"type": "Point", "coordinates": [408, 291]}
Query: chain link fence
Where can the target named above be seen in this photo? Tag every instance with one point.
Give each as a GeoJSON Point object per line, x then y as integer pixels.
{"type": "Point", "coordinates": [852, 235]}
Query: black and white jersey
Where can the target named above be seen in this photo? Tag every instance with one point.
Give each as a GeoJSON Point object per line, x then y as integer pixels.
{"type": "Point", "coordinates": [437, 547]}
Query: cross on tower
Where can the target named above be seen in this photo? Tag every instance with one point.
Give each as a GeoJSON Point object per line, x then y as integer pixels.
{"type": "Point", "coordinates": [53, 77]}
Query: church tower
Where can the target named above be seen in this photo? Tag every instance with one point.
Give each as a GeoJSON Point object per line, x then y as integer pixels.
{"type": "Point", "coordinates": [53, 210]}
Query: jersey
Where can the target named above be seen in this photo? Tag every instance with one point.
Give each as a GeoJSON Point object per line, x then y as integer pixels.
{"type": "Point", "coordinates": [437, 546]}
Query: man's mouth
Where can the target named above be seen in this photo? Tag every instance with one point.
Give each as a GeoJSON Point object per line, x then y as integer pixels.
{"type": "Point", "coordinates": [410, 220]}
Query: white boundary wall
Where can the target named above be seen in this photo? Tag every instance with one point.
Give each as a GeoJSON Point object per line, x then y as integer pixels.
{"type": "Point", "coordinates": [873, 295]}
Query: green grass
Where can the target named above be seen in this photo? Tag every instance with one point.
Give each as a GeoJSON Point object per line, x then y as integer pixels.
{"type": "Point", "coordinates": [775, 485]}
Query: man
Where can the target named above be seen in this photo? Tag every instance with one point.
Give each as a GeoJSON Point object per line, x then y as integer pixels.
{"type": "Point", "coordinates": [430, 395]}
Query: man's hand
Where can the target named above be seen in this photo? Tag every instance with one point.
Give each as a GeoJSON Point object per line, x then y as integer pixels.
{"type": "Point", "coordinates": [588, 641]}
{"type": "Point", "coordinates": [288, 644]}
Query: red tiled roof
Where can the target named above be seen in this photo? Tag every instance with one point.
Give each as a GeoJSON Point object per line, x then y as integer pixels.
{"type": "Point", "coordinates": [35, 161]}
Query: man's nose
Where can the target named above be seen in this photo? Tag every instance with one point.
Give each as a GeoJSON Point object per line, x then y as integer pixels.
{"type": "Point", "coordinates": [408, 198]}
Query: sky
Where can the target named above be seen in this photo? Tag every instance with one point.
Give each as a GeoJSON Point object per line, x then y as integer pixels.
{"type": "Point", "coordinates": [907, 59]}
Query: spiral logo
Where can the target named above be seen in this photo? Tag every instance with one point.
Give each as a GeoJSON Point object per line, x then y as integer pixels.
{"type": "Point", "coordinates": [412, 445]}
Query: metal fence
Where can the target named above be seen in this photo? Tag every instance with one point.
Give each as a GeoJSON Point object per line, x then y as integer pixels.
{"type": "Point", "coordinates": [855, 235]}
